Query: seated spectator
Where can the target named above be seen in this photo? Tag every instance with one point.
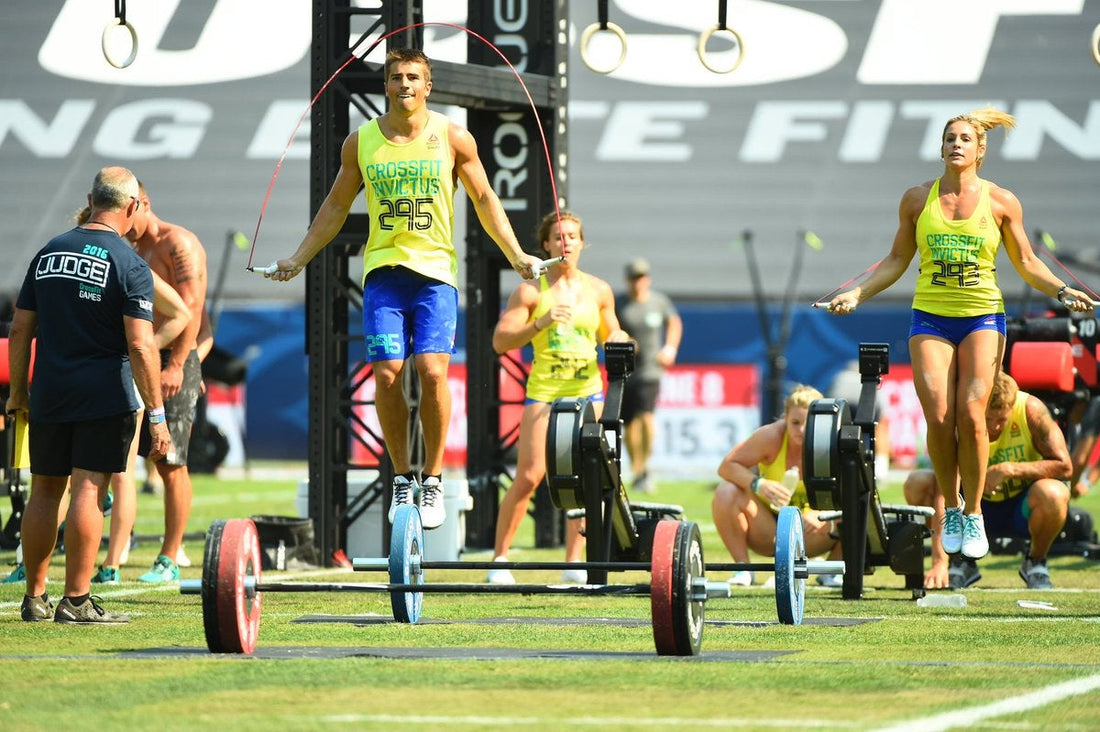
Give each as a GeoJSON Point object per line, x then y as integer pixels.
{"type": "Point", "coordinates": [759, 476]}
{"type": "Point", "coordinates": [1025, 493]}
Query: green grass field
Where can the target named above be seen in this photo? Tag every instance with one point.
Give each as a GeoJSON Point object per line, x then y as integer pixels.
{"type": "Point", "coordinates": [549, 662]}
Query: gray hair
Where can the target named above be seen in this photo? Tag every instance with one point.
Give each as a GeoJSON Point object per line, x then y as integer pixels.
{"type": "Point", "coordinates": [113, 188]}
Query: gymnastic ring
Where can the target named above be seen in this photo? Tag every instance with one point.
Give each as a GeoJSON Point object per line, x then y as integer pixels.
{"type": "Point", "coordinates": [133, 44]}
{"type": "Point", "coordinates": [1096, 44]}
{"type": "Point", "coordinates": [587, 36]}
{"type": "Point", "coordinates": [705, 36]}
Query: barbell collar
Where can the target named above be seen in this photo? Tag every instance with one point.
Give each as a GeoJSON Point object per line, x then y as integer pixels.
{"type": "Point", "coordinates": [826, 566]}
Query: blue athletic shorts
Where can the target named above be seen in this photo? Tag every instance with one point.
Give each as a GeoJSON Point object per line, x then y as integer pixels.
{"type": "Point", "coordinates": [1008, 517]}
{"type": "Point", "coordinates": [407, 313]}
{"type": "Point", "coordinates": [954, 329]}
{"type": "Point", "coordinates": [597, 397]}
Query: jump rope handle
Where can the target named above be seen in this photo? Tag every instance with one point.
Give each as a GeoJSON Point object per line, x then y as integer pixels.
{"type": "Point", "coordinates": [544, 266]}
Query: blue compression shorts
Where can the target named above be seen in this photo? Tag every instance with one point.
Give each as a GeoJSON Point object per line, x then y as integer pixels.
{"type": "Point", "coordinates": [407, 313]}
{"type": "Point", "coordinates": [1008, 517]}
{"type": "Point", "coordinates": [954, 329]}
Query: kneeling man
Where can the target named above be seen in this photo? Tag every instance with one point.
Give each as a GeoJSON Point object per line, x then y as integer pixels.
{"type": "Point", "coordinates": [1025, 493]}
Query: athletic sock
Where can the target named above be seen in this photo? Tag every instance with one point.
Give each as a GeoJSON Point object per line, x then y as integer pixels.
{"type": "Point", "coordinates": [78, 600]}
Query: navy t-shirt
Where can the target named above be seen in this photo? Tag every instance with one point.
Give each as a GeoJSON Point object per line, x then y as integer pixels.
{"type": "Point", "coordinates": [81, 284]}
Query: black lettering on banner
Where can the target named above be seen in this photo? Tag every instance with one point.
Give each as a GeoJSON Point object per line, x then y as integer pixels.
{"type": "Point", "coordinates": [689, 435]}
{"type": "Point", "coordinates": [728, 433]}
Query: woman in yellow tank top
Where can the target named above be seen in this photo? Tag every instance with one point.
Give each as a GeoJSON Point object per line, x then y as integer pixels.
{"type": "Point", "coordinates": [746, 503]}
{"type": "Point", "coordinates": [563, 315]}
{"type": "Point", "coordinates": [957, 337]}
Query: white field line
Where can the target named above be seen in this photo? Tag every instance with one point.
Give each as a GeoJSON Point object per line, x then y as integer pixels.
{"type": "Point", "coordinates": [968, 717]}
{"type": "Point", "coordinates": [563, 723]}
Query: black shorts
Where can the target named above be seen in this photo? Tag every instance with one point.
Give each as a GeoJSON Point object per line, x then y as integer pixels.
{"type": "Point", "coordinates": [97, 445]}
{"type": "Point", "coordinates": [179, 412]}
{"type": "Point", "coordinates": [639, 397]}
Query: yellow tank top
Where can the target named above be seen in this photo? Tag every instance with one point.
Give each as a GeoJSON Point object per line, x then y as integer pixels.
{"type": "Point", "coordinates": [410, 189]}
{"type": "Point", "coordinates": [1013, 446]}
{"type": "Point", "coordinates": [565, 363]}
{"type": "Point", "coordinates": [774, 471]}
{"type": "Point", "coordinates": [958, 273]}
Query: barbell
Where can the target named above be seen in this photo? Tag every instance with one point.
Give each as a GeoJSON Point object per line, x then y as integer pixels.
{"type": "Point", "coordinates": [232, 586]}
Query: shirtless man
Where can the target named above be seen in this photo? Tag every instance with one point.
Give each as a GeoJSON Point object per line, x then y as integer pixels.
{"type": "Point", "coordinates": [178, 257]}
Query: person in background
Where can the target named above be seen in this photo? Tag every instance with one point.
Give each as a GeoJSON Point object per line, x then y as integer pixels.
{"type": "Point", "coordinates": [178, 257]}
{"type": "Point", "coordinates": [563, 314]}
{"type": "Point", "coordinates": [760, 476]}
{"type": "Point", "coordinates": [1025, 491]}
{"type": "Point", "coordinates": [957, 223]}
{"type": "Point", "coordinates": [408, 162]}
{"type": "Point", "coordinates": [655, 325]}
{"type": "Point", "coordinates": [88, 300]}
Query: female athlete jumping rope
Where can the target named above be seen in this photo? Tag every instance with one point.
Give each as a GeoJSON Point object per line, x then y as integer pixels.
{"type": "Point", "coordinates": [957, 336]}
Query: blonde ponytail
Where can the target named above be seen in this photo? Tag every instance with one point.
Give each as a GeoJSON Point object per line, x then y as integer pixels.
{"type": "Point", "coordinates": [989, 118]}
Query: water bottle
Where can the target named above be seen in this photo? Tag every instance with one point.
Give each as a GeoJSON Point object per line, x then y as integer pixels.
{"type": "Point", "coordinates": [942, 599]}
{"type": "Point", "coordinates": [280, 555]}
{"type": "Point", "coordinates": [790, 482]}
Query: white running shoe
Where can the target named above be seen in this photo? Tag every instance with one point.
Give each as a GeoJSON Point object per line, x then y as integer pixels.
{"type": "Point", "coordinates": [403, 490]}
{"type": "Point", "coordinates": [574, 576]}
{"type": "Point", "coordinates": [744, 578]}
{"type": "Point", "coordinates": [975, 545]}
{"type": "Point", "coordinates": [432, 511]}
{"type": "Point", "coordinates": [500, 576]}
{"type": "Point", "coordinates": [952, 536]}
{"type": "Point", "coordinates": [769, 583]}
{"type": "Point", "coordinates": [181, 558]}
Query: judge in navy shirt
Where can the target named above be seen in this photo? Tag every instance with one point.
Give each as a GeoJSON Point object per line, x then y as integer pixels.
{"type": "Point", "coordinates": [87, 301]}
